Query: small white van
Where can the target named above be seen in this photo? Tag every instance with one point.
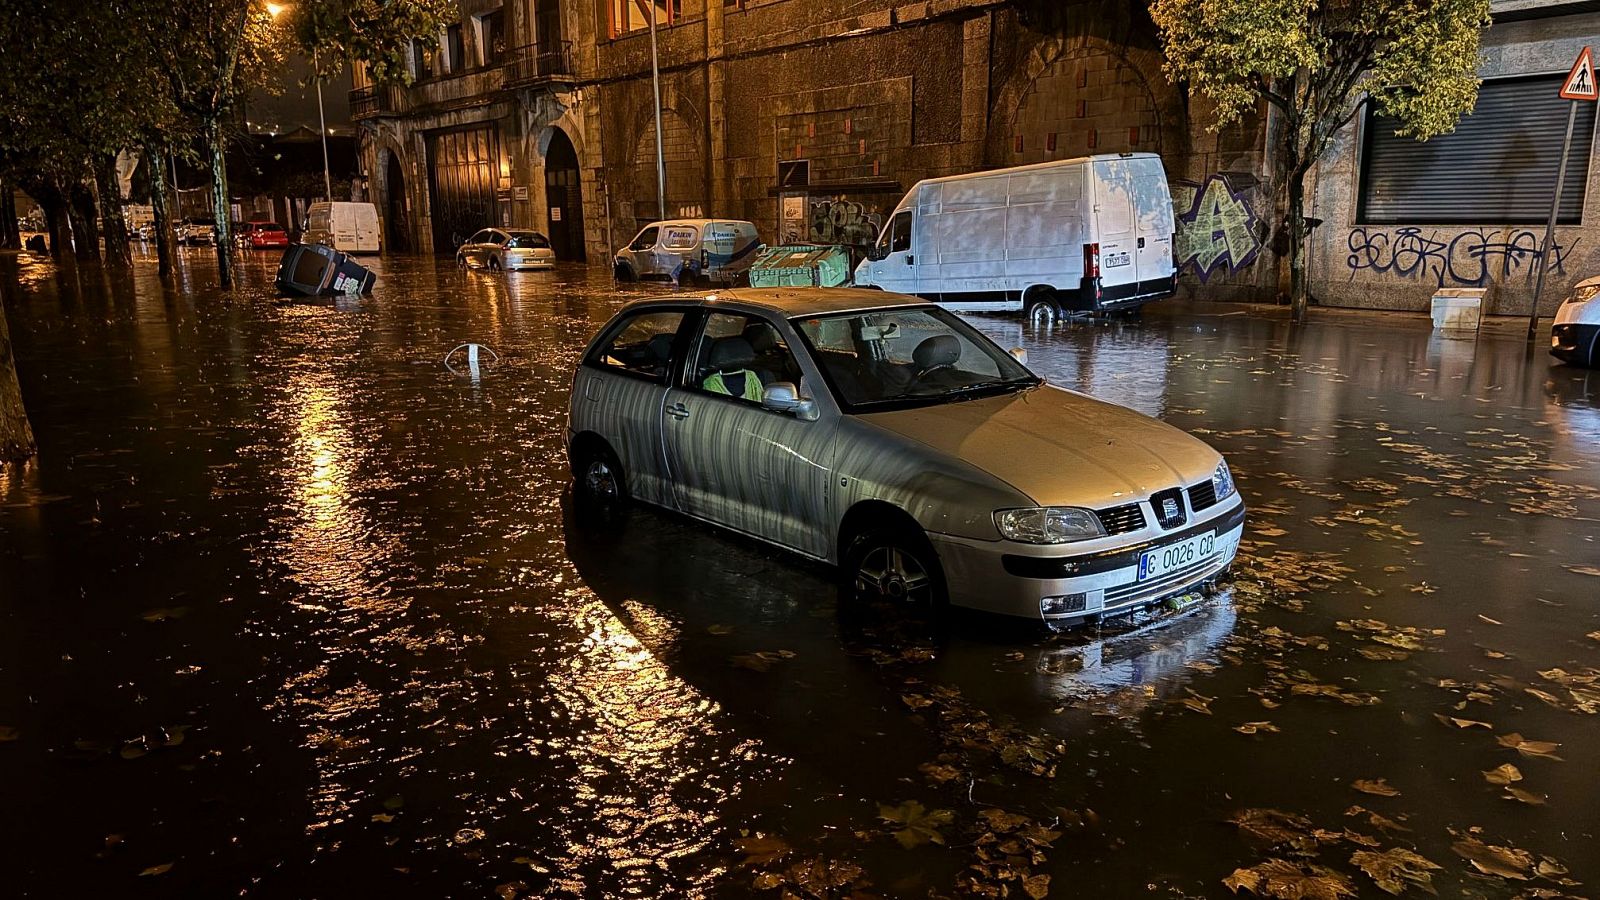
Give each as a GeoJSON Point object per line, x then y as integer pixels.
{"type": "Point", "coordinates": [1092, 234]}
{"type": "Point", "coordinates": [714, 249]}
{"type": "Point", "coordinates": [350, 227]}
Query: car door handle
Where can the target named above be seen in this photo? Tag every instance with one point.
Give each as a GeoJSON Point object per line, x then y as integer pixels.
{"type": "Point", "coordinates": [678, 411]}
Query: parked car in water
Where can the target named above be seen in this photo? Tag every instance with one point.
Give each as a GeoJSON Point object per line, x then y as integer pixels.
{"type": "Point", "coordinates": [1078, 235]}
{"type": "Point", "coordinates": [197, 232]}
{"type": "Point", "coordinates": [1575, 337]}
{"type": "Point", "coordinates": [351, 227]}
{"type": "Point", "coordinates": [512, 248]}
{"type": "Point", "coordinates": [885, 435]}
{"type": "Point", "coordinates": [713, 249]}
{"type": "Point", "coordinates": [262, 235]}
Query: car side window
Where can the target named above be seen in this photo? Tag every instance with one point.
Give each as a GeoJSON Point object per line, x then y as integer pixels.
{"type": "Point", "coordinates": [900, 231]}
{"type": "Point", "coordinates": [477, 238]}
{"type": "Point", "coordinates": [496, 237]}
{"type": "Point", "coordinates": [738, 356]}
{"type": "Point", "coordinates": [646, 239]}
{"type": "Point", "coordinates": [640, 344]}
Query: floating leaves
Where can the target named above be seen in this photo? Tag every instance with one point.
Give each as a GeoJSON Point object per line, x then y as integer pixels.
{"type": "Point", "coordinates": [918, 825]}
{"type": "Point", "coordinates": [1378, 787]}
{"type": "Point", "coordinates": [1462, 723]}
{"type": "Point", "coordinates": [1503, 774]}
{"type": "Point", "coordinates": [1583, 570]}
{"type": "Point", "coordinates": [1528, 797]}
{"type": "Point", "coordinates": [1266, 828]}
{"type": "Point", "coordinates": [162, 869]}
{"type": "Point", "coordinates": [1284, 880]}
{"type": "Point", "coordinates": [761, 850]}
{"type": "Point", "coordinates": [1582, 689]}
{"type": "Point", "coordinates": [1399, 637]}
{"type": "Point", "coordinates": [1503, 862]}
{"type": "Point", "coordinates": [1543, 749]}
{"type": "Point", "coordinates": [1255, 727]}
{"type": "Point", "coordinates": [1397, 869]}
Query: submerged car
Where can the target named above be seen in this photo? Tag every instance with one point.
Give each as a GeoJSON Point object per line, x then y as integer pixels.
{"type": "Point", "coordinates": [885, 435]}
{"type": "Point", "coordinates": [1575, 337]}
{"type": "Point", "coordinates": [495, 249]}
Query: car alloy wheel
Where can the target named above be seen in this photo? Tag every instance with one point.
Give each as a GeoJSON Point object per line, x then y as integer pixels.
{"type": "Point", "coordinates": [600, 481]}
{"type": "Point", "coordinates": [888, 572]}
{"type": "Point", "coordinates": [494, 264]}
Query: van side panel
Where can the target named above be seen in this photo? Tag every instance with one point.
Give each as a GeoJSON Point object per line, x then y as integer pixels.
{"type": "Point", "coordinates": [1044, 233]}
{"type": "Point", "coordinates": [971, 235]}
{"type": "Point", "coordinates": [1153, 218]}
{"type": "Point", "coordinates": [1114, 221]}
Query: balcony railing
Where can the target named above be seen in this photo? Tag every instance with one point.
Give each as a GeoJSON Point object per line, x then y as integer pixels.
{"type": "Point", "coordinates": [376, 100]}
{"type": "Point", "coordinates": [540, 62]}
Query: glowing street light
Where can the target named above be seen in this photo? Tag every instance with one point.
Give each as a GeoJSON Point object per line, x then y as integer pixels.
{"type": "Point", "coordinates": [274, 10]}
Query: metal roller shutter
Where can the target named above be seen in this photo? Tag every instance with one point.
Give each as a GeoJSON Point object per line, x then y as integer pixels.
{"type": "Point", "coordinates": [1497, 168]}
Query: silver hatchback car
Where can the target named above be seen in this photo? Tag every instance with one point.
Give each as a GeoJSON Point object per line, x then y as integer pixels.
{"type": "Point", "coordinates": [883, 434]}
{"type": "Point", "coordinates": [508, 249]}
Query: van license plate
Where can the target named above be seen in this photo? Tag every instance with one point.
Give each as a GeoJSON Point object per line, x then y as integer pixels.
{"type": "Point", "coordinates": [1168, 559]}
{"type": "Point", "coordinates": [1117, 259]}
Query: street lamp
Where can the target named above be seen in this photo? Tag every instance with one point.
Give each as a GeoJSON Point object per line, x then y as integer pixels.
{"type": "Point", "coordinates": [274, 10]}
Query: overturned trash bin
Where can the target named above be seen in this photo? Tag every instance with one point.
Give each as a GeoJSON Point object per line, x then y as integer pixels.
{"type": "Point", "coordinates": [310, 270]}
{"type": "Point", "coordinates": [801, 265]}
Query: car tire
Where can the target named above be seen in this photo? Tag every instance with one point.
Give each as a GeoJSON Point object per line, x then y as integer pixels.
{"type": "Point", "coordinates": [461, 260]}
{"type": "Point", "coordinates": [893, 564]}
{"type": "Point", "coordinates": [624, 272]}
{"type": "Point", "coordinates": [598, 479]}
{"type": "Point", "coordinates": [494, 264]}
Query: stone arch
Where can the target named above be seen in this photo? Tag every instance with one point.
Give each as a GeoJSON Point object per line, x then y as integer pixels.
{"type": "Point", "coordinates": [396, 210]}
{"type": "Point", "coordinates": [1093, 95]}
{"type": "Point", "coordinates": [685, 167]}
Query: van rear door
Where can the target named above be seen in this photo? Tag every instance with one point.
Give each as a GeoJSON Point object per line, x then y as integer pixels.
{"type": "Point", "coordinates": [1153, 222]}
{"type": "Point", "coordinates": [1113, 213]}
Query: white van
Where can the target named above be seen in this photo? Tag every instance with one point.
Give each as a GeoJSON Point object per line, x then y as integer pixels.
{"type": "Point", "coordinates": [714, 249]}
{"type": "Point", "coordinates": [1089, 234]}
{"type": "Point", "coordinates": [350, 227]}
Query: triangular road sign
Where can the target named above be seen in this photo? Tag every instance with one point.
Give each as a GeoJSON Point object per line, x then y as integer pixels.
{"type": "Point", "coordinates": [1580, 83]}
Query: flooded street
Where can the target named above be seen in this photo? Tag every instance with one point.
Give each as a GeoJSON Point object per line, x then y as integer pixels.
{"type": "Point", "coordinates": [287, 609]}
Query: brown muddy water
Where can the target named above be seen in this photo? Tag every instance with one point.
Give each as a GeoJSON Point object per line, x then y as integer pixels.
{"type": "Point", "coordinates": [289, 610]}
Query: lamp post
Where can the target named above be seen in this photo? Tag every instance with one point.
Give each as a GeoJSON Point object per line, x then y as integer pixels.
{"type": "Point", "coordinates": [655, 84]}
{"type": "Point", "coordinates": [274, 10]}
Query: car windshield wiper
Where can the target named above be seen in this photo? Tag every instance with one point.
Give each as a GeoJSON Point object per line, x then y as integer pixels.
{"type": "Point", "coordinates": [967, 389]}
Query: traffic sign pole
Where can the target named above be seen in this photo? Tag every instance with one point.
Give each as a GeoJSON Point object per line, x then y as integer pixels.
{"type": "Point", "coordinates": [1547, 255]}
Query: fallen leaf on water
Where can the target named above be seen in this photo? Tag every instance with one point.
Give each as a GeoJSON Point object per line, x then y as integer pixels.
{"type": "Point", "coordinates": [1253, 727]}
{"type": "Point", "coordinates": [720, 630]}
{"type": "Point", "coordinates": [1503, 774]}
{"type": "Point", "coordinates": [1036, 886]}
{"type": "Point", "coordinates": [1273, 828]}
{"type": "Point", "coordinates": [382, 817]}
{"type": "Point", "coordinates": [939, 773]}
{"type": "Point", "coordinates": [761, 850]}
{"type": "Point", "coordinates": [1545, 749]}
{"type": "Point", "coordinates": [1583, 570]}
{"type": "Point", "coordinates": [1397, 869]}
{"type": "Point", "coordinates": [1546, 696]}
{"type": "Point", "coordinates": [1001, 821]}
{"type": "Point", "coordinates": [1528, 797]}
{"type": "Point", "coordinates": [915, 701]}
{"type": "Point", "coordinates": [162, 869]}
{"type": "Point", "coordinates": [1284, 880]}
{"type": "Point", "coordinates": [1376, 786]}
{"type": "Point", "coordinates": [1489, 620]}
{"type": "Point", "coordinates": [1505, 862]}
{"type": "Point", "coordinates": [1381, 822]}
{"type": "Point", "coordinates": [1462, 723]}
{"type": "Point", "coordinates": [474, 560]}
{"type": "Point", "coordinates": [1383, 654]}
{"type": "Point", "coordinates": [920, 825]}
{"type": "Point", "coordinates": [1593, 635]}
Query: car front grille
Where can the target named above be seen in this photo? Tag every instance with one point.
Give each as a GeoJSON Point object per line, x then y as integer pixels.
{"type": "Point", "coordinates": [1203, 495]}
{"type": "Point", "coordinates": [1121, 519]}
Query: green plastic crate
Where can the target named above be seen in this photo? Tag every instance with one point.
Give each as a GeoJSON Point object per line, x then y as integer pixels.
{"type": "Point", "coordinates": [801, 265]}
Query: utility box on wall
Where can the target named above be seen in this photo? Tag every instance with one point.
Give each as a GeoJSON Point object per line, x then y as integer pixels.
{"type": "Point", "coordinates": [1458, 309]}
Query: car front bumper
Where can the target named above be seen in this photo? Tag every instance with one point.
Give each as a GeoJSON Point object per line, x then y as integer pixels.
{"type": "Point", "coordinates": [1013, 578]}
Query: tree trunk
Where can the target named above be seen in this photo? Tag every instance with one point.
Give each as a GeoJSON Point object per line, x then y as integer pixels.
{"type": "Point", "coordinates": [157, 159]}
{"type": "Point", "coordinates": [1298, 297]}
{"type": "Point", "coordinates": [111, 220]}
{"type": "Point", "coordinates": [16, 436]}
{"type": "Point", "coordinates": [56, 222]}
{"type": "Point", "coordinates": [220, 206]}
{"type": "Point", "coordinates": [10, 234]}
{"type": "Point", "coordinates": [81, 210]}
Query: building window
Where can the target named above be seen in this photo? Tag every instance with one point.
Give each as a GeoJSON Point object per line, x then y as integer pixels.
{"type": "Point", "coordinates": [634, 15]}
{"type": "Point", "coordinates": [492, 37]}
{"type": "Point", "coordinates": [1497, 168]}
{"type": "Point", "coordinates": [422, 57]}
{"type": "Point", "coordinates": [454, 55]}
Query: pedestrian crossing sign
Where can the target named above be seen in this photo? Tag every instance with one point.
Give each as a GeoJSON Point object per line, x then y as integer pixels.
{"type": "Point", "coordinates": [1580, 83]}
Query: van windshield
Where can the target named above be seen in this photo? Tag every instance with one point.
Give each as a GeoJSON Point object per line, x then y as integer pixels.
{"type": "Point", "coordinates": [908, 356]}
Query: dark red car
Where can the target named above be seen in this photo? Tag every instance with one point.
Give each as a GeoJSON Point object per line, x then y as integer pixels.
{"type": "Point", "coordinates": [265, 234]}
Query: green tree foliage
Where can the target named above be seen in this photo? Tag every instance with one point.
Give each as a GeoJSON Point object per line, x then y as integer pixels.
{"type": "Point", "coordinates": [1315, 62]}
{"type": "Point", "coordinates": [376, 33]}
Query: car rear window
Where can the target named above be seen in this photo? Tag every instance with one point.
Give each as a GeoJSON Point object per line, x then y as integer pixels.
{"type": "Point", "coordinates": [270, 226]}
{"type": "Point", "coordinates": [680, 237]}
{"type": "Point", "coordinates": [527, 240]}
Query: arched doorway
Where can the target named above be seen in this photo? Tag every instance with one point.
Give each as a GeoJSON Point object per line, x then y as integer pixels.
{"type": "Point", "coordinates": [397, 219]}
{"type": "Point", "coordinates": [680, 151]}
{"type": "Point", "coordinates": [564, 197]}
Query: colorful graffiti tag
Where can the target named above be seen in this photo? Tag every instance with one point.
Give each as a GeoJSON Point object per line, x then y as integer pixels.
{"type": "Point", "coordinates": [1472, 258]}
{"type": "Point", "coordinates": [842, 222]}
{"type": "Point", "coordinates": [1216, 227]}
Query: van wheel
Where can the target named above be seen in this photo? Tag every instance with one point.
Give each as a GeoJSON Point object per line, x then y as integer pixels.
{"type": "Point", "coordinates": [894, 564]}
{"type": "Point", "coordinates": [1041, 310]}
{"type": "Point", "coordinates": [624, 272]}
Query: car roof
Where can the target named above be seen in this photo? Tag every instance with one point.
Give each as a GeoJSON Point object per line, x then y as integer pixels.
{"type": "Point", "coordinates": [793, 302]}
{"type": "Point", "coordinates": [698, 223]}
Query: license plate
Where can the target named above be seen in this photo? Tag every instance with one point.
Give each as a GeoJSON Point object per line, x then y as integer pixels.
{"type": "Point", "coordinates": [1117, 259]}
{"type": "Point", "coordinates": [1164, 560]}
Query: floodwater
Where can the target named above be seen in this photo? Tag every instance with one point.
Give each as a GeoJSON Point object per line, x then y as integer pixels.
{"type": "Point", "coordinates": [289, 610]}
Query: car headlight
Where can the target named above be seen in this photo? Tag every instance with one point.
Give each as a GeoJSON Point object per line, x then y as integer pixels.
{"type": "Point", "coordinates": [1048, 525]}
{"type": "Point", "coordinates": [1584, 294]}
{"type": "Point", "coordinates": [1222, 482]}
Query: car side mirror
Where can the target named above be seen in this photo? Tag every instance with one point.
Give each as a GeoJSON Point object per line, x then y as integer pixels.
{"type": "Point", "coordinates": [1019, 354]}
{"type": "Point", "coordinates": [877, 252]}
{"type": "Point", "coordinates": [783, 396]}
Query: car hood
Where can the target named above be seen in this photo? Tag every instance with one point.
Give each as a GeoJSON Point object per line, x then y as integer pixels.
{"type": "Point", "coordinates": [1059, 447]}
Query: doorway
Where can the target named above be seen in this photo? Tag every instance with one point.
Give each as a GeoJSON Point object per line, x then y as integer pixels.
{"type": "Point", "coordinates": [396, 220]}
{"type": "Point", "coordinates": [563, 193]}
{"type": "Point", "coordinates": [462, 171]}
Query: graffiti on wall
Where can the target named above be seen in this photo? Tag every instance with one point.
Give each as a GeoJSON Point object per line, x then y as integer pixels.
{"type": "Point", "coordinates": [836, 221]}
{"type": "Point", "coordinates": [1216, 227]}
{"type": "Point", "coordinates": [1472, 258]}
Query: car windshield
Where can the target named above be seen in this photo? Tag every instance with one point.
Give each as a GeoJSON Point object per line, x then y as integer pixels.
{"type": "Point", "coordinates": [527, 240]}
{"type": "Point", "coordinates": [910, 356]}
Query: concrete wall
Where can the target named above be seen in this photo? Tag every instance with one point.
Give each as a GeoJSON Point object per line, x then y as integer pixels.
{"type": "Point", "coordinates": [1502, 258]}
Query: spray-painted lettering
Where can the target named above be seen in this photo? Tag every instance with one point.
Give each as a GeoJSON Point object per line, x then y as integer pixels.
{"type": "Point", "coordinates": [1216, 227]}
{"type": "Point", "coordinates": [1471, 258]}
{"type": "Point", "coordinates": [842, 222]}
